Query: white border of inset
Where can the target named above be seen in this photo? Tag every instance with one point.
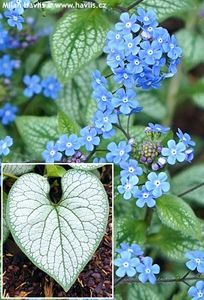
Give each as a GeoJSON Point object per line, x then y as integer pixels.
{"type": "Point", "coordinates": [113, 234]}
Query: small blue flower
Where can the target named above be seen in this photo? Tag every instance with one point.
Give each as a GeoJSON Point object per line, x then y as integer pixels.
{"type": "Point", "coordinates": [123, 76]}
{"type": "Point", "coordinates": [144, 197]}
{"type": "Point", "coordinates": [51, 154]}
{"type": "Point", "coordinates": [128, 23]}
{"type": "Point", "coordinates": [115, 41]}
{"type": "Point", "coordinates": [196, 261]}
{"type": "Point", "coordinates": [69, 144]}
{"type": "Point", "coordinates": [131, 45]}
{"type": "Point", "coordinates": [89, 138]}
{"type": "Point", "coordinates": [118, 153]}
{"type": "Point", "coordinates": [150, 52]}
{"type": "Point", "coordinates": [98, 160]}
{"type": "Point", "coordinates": [174, 152]}
{"type": "Point", "coordinates": [134, 249]}
{"type": "Point", "coordinates": [130, 169]}
{"type": "Point", "coordinates": [4, 38]}
{"type": "Point", "coordinates": [8, 113]}
{"type": "Point", "coordinates": [146, 17]}
{"type": "Point", "coordinates": [189, 154]}
{"type": "Point", "coordinates": [125, 101]}
{"type": "Point", "coordinates": [172, 49]}
{"type": "Point", "coordinates": [5, 144]}
{"type": "Point", "coordinates": [6, 66]}
{"type": "Point", "coordinates": [128, 187]}
{"type": "Point", "coordinates": [157, 184]}
{"type": "Point", "coordinates": [51, 87]}
{"type": "Point", "coordinates": [185, 138]}
{"type": "Point", "coordinates": [14, 18]}
{"type": "Point", "coordinates": [33, 85]}
{"type": "Point", "coordinates": [98, 79]}
{"type": "Point", "coordinates": [105, 120]}
{"type": "Point", "coordinates": [147, 270]}
{"type": "Point", "coordinates": [197, 291]}
{"type": "Point", "coordinates": [157, 128]}
{"type": "Point", "coordinates": [135, 65]}
{"type": "Point", "coordinates": [115, 59]}
{"type": "Point", "coordinates": [126, 264]}
{"type": "Point", "coordinates": [103, 98]}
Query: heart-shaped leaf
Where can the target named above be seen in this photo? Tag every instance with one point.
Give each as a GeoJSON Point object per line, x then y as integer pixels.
{"type": "Point", "coordinates": [58, 238]}
{"type": "Point", "coordinates": [17, 169]}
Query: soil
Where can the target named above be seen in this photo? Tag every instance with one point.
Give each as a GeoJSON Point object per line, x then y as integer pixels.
{"type": "Point", "coordinates": [23, 279]}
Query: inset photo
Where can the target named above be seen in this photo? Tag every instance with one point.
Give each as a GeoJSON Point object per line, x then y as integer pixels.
{"type": "Point", "coordinates": [57, 230]}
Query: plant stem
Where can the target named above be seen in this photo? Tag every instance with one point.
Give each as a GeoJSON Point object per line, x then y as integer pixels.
{"type": "Point", "coordinates": [159, 280]}
{"type": "Point", "coordinates": [192, 189]}
{"type": "Point", "coordinates": [134, 4]}
{"type": "Point", "coordinates": [148, 216]}
{"type": "Point", "coordinates": [122, 130]}
{"type": "Point", "coordinates": [128, 125]}
{"type": "Point", "coordinates": [91, 154]}
{"type": "Point", "coordinates": [10, 175]}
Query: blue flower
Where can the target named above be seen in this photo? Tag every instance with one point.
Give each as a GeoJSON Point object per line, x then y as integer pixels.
{"type": "Point", "coordinates": [105, 120]}
{"type": "Point", "coordinates": [128, 187]}
{"type": "Point", "coordinates": [128, 23]}
{"type": "Point", "coordinates": [135, 65]}
{"type": "Point", "coordinates": [98, 79]}
{"type": "Point", "coordinates": [131, 45]}
{"type": "Point", "coordinates": [197, 291]}
{"type": "Point", "coordinates": [130, 169]}
{"type": "Point", "coordinates": [189, 154]}
{"type": "Point", "coordinates": [51, 154]}
{"type": "Point", "coordinates": [89, 138]}
{"type": "Point", "coordinates": [125, 101]}
{"type": "Point", "coordinates": [69, 144]}
{"type": "Point", "coordinates": [14, 18]}
{"type": "Point", "coordinates": [150, 52]}
{"type": "Point", "coordinates": [5, 144]}
{"type": "Point", "coordinates": [115, 59]}
{"type": "Point", "coordinates": [8, 113]}
{"type": "Point", "coordinates": [51, 87]}
{"type": "Point", "coordinates": [146, 17]}
{"type": "Point", "coordinates": [33, 85]}
{"type": "Point", "coordinates": [157, 128]}
{"type": "Point", "coordinates": [98, 160]}
{"type": "Point", "coordinates": [157, 184]}
{"type": "Point", "coordinates": [144, 197]}
{"type": "Point", "coordinates": [147, 270]}
{"type": "Point", "coordinates": [6, 66]}
{"type": "Point", "coordinates": [126, 264]}
{"type": "Point", "coordinates": [185, 138]}
{"type": "Point", "coordinates": [174, 152]}
{"type": "Point", "coordinates": [161, 35]}
{"type": "Point", "coordinates": [118, 153]}
{"type": "Point", "coordinates": [115, 41]}
{"type": "Point", "coordinates": [4, 38]}
{"type": "Point", "coordinates": [134, 249]}
{"type": "Point", "coordinates": [103, 98]}
{"type": "Point", "coordinates": [123, 76]}
{"type": "Point", "coordinates": [196, 261]}
{"type": "Point", "coordinates": [172, 49]}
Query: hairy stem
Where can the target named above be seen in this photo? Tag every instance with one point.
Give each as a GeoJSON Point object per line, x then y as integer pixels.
{"type": "Point", "coordinates": [191, 189]}
{"type": "Point", "coordinates": [10, 175]}
{"type": "Point", "coordinates": [122, 130]}
{"type": "Point", "coordinates": [148, 216]}
{"type": "Point", "coordinates": [183, 279]}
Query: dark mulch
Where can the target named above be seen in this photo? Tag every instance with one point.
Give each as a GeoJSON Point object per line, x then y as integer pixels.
{"type": "Point", "coordinates": [23, 279]}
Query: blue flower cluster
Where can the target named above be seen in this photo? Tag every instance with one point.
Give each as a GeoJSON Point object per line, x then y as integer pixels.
{"type": "Point", "coordinates": [8, 113]}
{"type": "Point", "coordinates": [49, 86]}
{"type": "Point", "coordinates": [139, 52]}
{"type": "Point", "coordinates": [15, 11]}
{"type": "Point", "coordinates": [196, 263]}
{"type": "Point", "coordinates": [131, 262]}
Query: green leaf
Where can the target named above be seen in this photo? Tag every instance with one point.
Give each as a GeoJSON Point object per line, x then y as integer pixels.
{"type": "Point", "coordinates": [36, 132]}
{"type": "Point", "coordinates": [188, 179]}
{"type": "Point", "coordinates": [131, 230]}
{"type": "Point", "coordinates": [173, 244]}
{"type": "Point", "coordinates": [143, 292]}
{"type": "Point", "coordinates": [178, 215]}
{"type": "Point", "coordinates": [66, 125]}
{"type": "Point", "coordinates": [55, 171]}
{"type": "Point", "coordinates": [6, 230]}
{"type": "Point", "coordinates": [192, 44]}
{"type": "Point", "coordinates": [168, 8]}
{"type": "Point", "coordinates": [79, 37]}
{"type": "Point", "coordinates": [59, 238]}
{"type": "Point", "coordinates": [138, 133]}
{"type": "Point", "coordinates": [152, 105]}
